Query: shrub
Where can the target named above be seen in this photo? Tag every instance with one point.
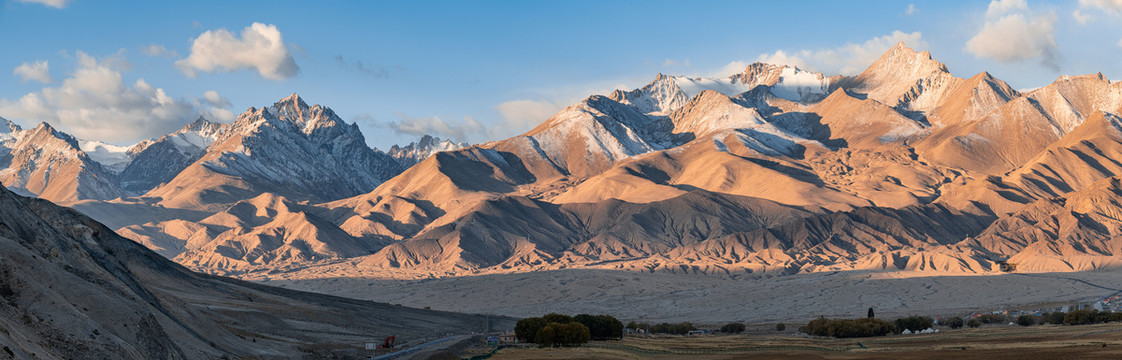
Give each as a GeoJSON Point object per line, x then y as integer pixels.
{"type": "Point", "coordinates": [955, 322]}
{"type": "Point", "coordinates": [732, 328]}
{"type": "Point", "coordinates": [973, 323]}
{"type": "Point", "coordinates": [913, 323]}
{"type": "Point", "coordinates": [1026, 320]}
{"type": "Point", "coordinates": [780, 327]}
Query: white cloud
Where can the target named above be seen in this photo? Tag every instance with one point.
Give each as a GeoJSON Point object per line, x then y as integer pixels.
{"type": "Point", "coordinates": [260, 47]}
{"type": "Point", "coordinates": [1119, 43]}
{"type": "Point", "coordinates": [1108, 7]}
{"type": "Point", "coordinates": [463, 130]}
{"type": "Point", "coordinates": [671, 62]}
{"type": "Point", "coordinates": [158, 51]}
{"type": "Point", "coordinates": [911, 10]}
{"type": "Point", "coordinates": [38, 71]}
{"type": "Point", "coordinates": [522, 115]}
{"type": "Point", "coordinates": [215, 107]}
{"type": "Point", "coordinates": [96, 103]}
{"type": "Point", "coordinates": [57, 4]}
{"type": "Point", "coordinates": [1080, 17]}
{"type": "Point", "coordinates": [848, 59]}
{"type": "Point", "coordinates": [779, 58]}
{"type": "Point", "coordinates": [1002, 7]}
{"type": "Point", "coordinates": [1011, 33]}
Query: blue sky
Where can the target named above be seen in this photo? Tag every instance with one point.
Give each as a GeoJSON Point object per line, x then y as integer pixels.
{"type": "Point", "coordinates": [483, 70]}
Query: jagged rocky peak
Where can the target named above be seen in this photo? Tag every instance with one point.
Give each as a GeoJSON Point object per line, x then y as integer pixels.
{"type": "Point", "coordinates": [760, 74]}
{"type": "Point", "coordinates": [901, 59]}
{"type": "Point", "coordinates": [46, 132]}
{"type": "Point", "coordinates": [7, 126]}
{"type": "Point", "coordinates": [293, 109]}
{"type": "Point", "coordinates": [662, 95]}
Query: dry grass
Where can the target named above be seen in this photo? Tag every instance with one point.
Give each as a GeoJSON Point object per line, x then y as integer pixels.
{"type": "Point", "coordinates": [1102, 341]}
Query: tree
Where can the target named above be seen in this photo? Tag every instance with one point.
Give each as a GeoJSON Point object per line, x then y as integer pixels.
{"type": "Point", "coordinates": [973, 323]}
{"type": "Point", "coordinates": [780, 327]}
{"type": "Point", "coordinates": [557, 334]}
{"type": "Point", "coordinates": [1026, 320]}
{"type": "Point", "coordinates": [602, 327]}
{"type": "Point", "coordinates": [558, 318]}
{"type": "Point", "coordinates": [732, 328]}
{"type": "Point", "coordinates": [955, 322]}
{"type": "Point", "coordinates": [871, 313]}
{"type": "Point", "coordinates": [1079, 317]}
{"type": "Point", "coordinates": [527, 329]}
{"type": "Point", "coordinates": [1056, 318]}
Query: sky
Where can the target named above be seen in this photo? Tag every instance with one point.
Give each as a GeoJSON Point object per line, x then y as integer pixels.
{"type": "Point", "coordinates": [475, 71]}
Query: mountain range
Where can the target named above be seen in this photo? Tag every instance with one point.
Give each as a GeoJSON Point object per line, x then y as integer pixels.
{"type": "Point", "coordinates": [772, 170]}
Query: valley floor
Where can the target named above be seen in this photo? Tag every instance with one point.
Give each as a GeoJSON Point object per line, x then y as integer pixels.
{"type": "Point", "coordinates": [988, 342]}
{"type": "Point", "coordinates": [711, 299]}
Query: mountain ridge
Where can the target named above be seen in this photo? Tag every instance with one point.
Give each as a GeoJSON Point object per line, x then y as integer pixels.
{"type": "Point", "coordinates": [876, 166]}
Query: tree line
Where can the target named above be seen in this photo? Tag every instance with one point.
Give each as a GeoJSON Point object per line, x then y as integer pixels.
{"type": "Point", "coordinates": [563, 330]}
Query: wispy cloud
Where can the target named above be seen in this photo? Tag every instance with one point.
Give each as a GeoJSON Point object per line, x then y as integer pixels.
{"type": "Point", "coordinates": [467, 129]}
{"type": "Point", "coordinates": [1087, 7]}
{"type": "Point", "coordinates": [154, 50]}
{"type": "Point", "coordinates": [57, 4]}
{"type": "Point", "coordinates": [376, 71]}
{"type": "Point", "coordinates": [911, 10]}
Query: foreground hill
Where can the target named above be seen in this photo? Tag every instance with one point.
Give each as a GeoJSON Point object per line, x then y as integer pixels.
{"type": "Point", "coordinates": [71, 288]}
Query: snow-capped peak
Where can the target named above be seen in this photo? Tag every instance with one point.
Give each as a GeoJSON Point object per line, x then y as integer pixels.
{"type": "Point", "coordinates": [413, 153]}
{"type": "Point", "coordinates": [668, 93]}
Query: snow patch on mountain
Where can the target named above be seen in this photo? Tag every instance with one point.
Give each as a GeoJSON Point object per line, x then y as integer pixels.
{"type": "Point", "coordinates": [798, 85]}
{"type": "Point", "coordinates": [113, 157]}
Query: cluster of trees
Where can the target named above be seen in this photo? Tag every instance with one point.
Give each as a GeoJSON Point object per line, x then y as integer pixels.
{"type": "Point", "coordinates": [682, 328]}
{"type": "Point", "coordinates": [847, 328]}
{"type": "Point", "coordinates": [563, 330]}
{"type": "Point", "coordinates": [602, 327]}
{"type": "Point", "coordinates": [1077, 317]}
{"type": "Point", "coordinates": [732, 328]}
{"type": "Point", "coordinates": [866, 327]}
{"type": "Point", "coordinates": [912, 323]}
